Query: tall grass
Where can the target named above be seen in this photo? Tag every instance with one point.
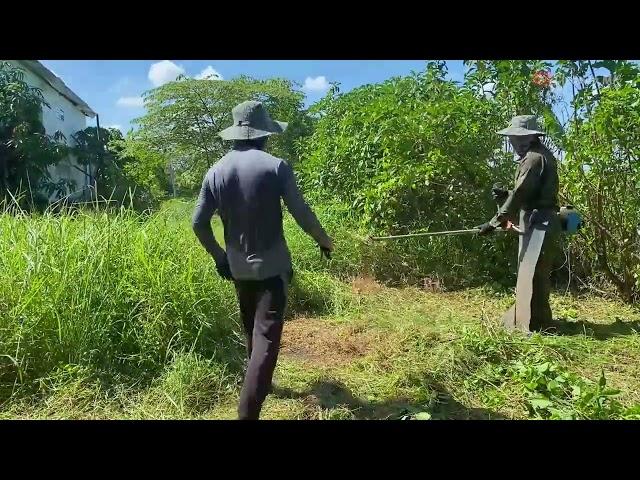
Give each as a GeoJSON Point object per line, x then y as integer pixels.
{"type": "Point", "coordinates": [116, 292]}
{"type": "Point", "coordinates": [111, 314]}
{"type": "Point", "coordinates": [121, 294]}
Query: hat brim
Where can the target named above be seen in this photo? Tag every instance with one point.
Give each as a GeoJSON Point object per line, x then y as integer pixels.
{"type": "Point", "coordinates": [519, 132]}
{"type": "Point", "coordinates": [236, 132]}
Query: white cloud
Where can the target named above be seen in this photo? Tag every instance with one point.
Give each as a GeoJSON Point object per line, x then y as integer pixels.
{"type": "Point", "coordinates": [209, 73]}
{"type": "Point", "coordinates": [164, 72]}
{"type": "Point", "coordinates": [130, 102]}
{"type": "Point", "coordinates": [318, 84]}
{"type": "Point", "coordinates": [117, 127]}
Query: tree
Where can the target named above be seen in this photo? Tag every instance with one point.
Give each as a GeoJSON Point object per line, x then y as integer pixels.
{"type": "Point", "coordinates": [116, 173]}
{"type": "Point", "coordinates": [92, 152]}
{"type": "Point", "coordinates": [601, 171]}
{"type": "Point", "coordinates": [26, 151]}
{"type": "Point", "coordinates": [413, 153]}
{"type": "Point", "coordinates": [184, 117]}
{"type": "Point", "coordinates": [145, 166]}
{"type": "Point", "coordinates": [518, 87]}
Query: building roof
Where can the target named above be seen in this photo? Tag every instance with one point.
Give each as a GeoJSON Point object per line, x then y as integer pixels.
{"type": "Point", "coordinates": [57, 84]}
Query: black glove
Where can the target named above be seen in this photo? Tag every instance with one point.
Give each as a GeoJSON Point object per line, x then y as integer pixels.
{"type": "Point", "coordinates": [325, 252]}
{"type": "Point", "coordinates": [499, 193]}
{"type": "Point", "coordinates": [485, 228]}
{"type": "Point", "coordinates": [224, 270]}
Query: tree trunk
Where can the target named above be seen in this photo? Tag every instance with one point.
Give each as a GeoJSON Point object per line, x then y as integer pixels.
{"type": "Point", "coordinates": [622, 286]}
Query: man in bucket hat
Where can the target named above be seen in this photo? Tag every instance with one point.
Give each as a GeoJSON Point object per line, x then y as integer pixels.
{"type": "Point", "coordinates": [533, 204]}
{"type": "Point", "coordinates": [245, 188]}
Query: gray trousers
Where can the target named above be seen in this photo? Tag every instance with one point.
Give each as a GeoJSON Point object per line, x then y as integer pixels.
{"type": "Point", "coordinates": [537, 253]}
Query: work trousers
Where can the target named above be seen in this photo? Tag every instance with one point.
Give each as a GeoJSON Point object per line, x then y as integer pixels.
{"type": "Point", "coordinates": [262, 307]}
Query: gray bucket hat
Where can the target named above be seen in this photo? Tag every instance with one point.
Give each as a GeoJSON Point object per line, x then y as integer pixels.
{"type": "Point", "coordinates": [522, 125]}
{"type": "Point", "coordinates": [251, 120]}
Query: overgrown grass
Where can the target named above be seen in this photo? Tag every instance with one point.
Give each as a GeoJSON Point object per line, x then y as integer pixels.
{"type": "Point", "coordinates": [119, 294]}
{"type": "Point", "coordinates": [123, 316]}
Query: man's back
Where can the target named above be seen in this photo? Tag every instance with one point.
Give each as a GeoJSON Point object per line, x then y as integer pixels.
{"type": "Point", "coordinates": [246, 186]}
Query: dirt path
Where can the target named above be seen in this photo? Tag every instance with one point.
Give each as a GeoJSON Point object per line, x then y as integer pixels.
{"type": "Point", "coordinates": [317, 341]}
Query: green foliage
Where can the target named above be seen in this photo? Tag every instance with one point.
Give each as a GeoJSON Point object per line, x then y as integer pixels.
{"type": "Point", "coordinates": [143, 328]}
{"type": "Point", "coordinates": [120, 295]}
{"type": "Point", "coordinates": [412, 152]}
{"type": "Point", "coordinates": [92, 150]}
{"type": "Point", "coordinates": [112, 293]}
{"type": "Point", "coordinates": [184, 118]}
{"type": "Point", "coordinates": [147, 168]}
{"type": "Point", "coordinates": [513, 88]}
{"type": "Point", "coordinates": [409, 154]}
{"type": "Point", "coordinates": [510, 84]}
{"type": "Point", "coordinates": [554, 393]}
{"type": "Point", "coordinates": [26, 151]}
{"type": "Point", "coordinates": [113, 170]}
{"type": "Point", "coordinates": [419, 153]}
{"type": "Point", "coordinates": [193, 384]}
{"type": "Point", "coordinates": [535, 370]}
{"type": "Point", "coordinates": [601, 176]}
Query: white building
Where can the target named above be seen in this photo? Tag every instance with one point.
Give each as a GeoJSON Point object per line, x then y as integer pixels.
{"type": "Point", "coordinates": [67, 114]}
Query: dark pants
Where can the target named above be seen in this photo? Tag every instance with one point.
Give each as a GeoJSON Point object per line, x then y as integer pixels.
{"type": "Point", "coordinates": [262, 306]}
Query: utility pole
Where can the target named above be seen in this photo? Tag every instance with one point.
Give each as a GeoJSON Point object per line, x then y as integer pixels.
{"type": "Point", "coordinates": [95, 185]}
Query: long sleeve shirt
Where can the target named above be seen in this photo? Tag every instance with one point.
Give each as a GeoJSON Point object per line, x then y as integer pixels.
{"type": "Point", "coordinates": [245, 188]}
{"type": "Point", "coordinates": [536, 186]}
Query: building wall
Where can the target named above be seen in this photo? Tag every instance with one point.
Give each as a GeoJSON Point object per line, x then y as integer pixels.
{"type": "Point", "coordinates": [62, 116]}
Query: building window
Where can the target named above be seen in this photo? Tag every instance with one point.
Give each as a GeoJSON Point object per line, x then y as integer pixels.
{"type": "Point", "coordinates": [60, 114]}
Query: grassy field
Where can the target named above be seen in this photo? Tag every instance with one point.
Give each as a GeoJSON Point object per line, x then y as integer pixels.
{"type": "Point", "coordinates": [120, 316]}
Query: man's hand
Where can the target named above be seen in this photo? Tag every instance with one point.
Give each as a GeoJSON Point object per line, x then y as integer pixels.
{"type": "Point", "coordinates": [326, 248]}
{"type": "Point", "coordinates": [485, 228]}
{"type": "Point", "coordinates": [223, 268]}
{"type": "Point", "coordinates": [327, 245]}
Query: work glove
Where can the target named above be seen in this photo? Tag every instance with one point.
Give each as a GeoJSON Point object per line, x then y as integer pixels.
{"type": "Point", "coordinates": [325, 252]}
{"type": "Point", "coordinates": [326, 248]}
{"type": "Point", "coordinates": [485, 228]}
{"type": "Point", "coordinates": [223, 268]}
{"type": "Point", "coordinates": [498, 193]}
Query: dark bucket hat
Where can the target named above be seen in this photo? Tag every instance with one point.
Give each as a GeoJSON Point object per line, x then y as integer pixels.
{"type": "Point", "coordinates": [522, 125]}
{"type": "Point", "coordinates": [251, 120]}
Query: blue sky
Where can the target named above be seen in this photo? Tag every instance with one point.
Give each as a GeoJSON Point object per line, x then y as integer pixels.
{"type": "Point", "coordinates": [113, 87]}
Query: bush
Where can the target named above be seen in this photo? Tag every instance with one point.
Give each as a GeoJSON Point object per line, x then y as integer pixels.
{"type": "Point", "coordinates": [602, 178]}
{"type": "Point", "coordinates": [412, 152]}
